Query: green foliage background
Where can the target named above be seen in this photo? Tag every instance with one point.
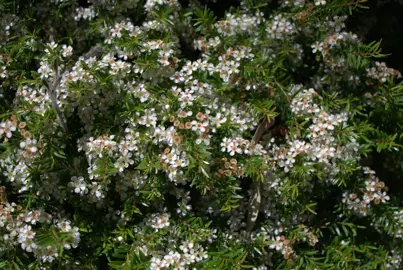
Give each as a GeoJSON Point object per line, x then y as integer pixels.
{"type": "Point", "coordinates": [345, 239]}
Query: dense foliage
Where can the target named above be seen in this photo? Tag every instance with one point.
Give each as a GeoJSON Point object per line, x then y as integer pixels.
{"type": "Point", "coordinates": [156, 135]}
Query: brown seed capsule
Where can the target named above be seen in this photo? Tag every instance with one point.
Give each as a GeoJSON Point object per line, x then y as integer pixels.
{"type": "Point", "coordinates": [174, 61]}
{"type": "Point", "coordinates": [381, 184]}
{"type": "Point", "coordinates": [178, 139]}
{"type": "Point", "coordinates": [3, 198]}
{"type": "Point", "coordinates": [188, 125]}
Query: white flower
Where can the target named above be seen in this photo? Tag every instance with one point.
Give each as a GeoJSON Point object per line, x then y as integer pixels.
{"type": "Point", "coordinates": [384, 197]}
{"type": "Point", "coordinates": [318, 46]}
{"type": "Point", "coordinates": [51, 46]}
{"type": "Point", "coordinates": [370, 185]}
{"type": "Point", "coordinates": [67, 50]}
{"type": "Point", "coordinates": [78, 184]}
{"type": "Point", "coordinates": [159, 221]}
{"type": "Point", "coordinates": [7, 127]}
{"type": "Point", "coordinates": [44, 70]}
{"type": "Point", "coordinates": [28, 244]}
{"type": "Point", "coordinates": [3, 72]}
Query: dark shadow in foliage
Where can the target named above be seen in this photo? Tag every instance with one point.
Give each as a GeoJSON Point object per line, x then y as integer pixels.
{"type": "Point", "coordinates": [219, 8]}
{"type": "Point", "coordinates": [381, 21]}
{"type": "Point", "coordinates": [84, 3]}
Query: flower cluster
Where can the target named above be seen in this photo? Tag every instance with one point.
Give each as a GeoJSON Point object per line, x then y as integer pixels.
{"type": "Point", "coordinates": [280, 27]}
{"type": "Point", "coordinates": [9, 23]}
{"type": "Point", "coordinates": [244, 24]}
{"type": "Point", "coordinates": [158, 221]}
{"type": "Point", "coordinates": [381, 72]}
{"type": "Point", "coordinates": [78, 185]}
{"type": "Point", "coordinates": [395, 260]}
{"type": "Point", "coordinates": [8, 127]}
{"type": "Point", "coordinates": [154, 4]}
{"type": "Point", "coordinates": [191, 253]}
{"type": "Point", "coordinates": [19, 224]}
{"type": "Point", "coordinates": [241, 146]}
{"type": "Point", "coordinates": [229, 62]}
{"type": "Point", "coordinates": [322, 145]}
{"type": "Point", "coordinates": [229, 167]}
{"type": "Point", "coordinates": [283, 245]}
{"type": "Point", "coordinates": [334, 41]}
{"type": "Point", "coordinates": [374, 191]}
{"type": "Point", "coordinates": [85, 13]}
{"type": "Point", "coordinates": [3, 72]}
{"type": "Point", "coordinates": [37, 98]}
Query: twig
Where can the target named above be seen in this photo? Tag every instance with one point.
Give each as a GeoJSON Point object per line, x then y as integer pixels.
{"type": "Point", "coordinates": [263, 126]}
{"type": "Point", "coordinates": [352, 3]}
{"type": "Point", "coordinates": [281, 88]}
{"type": "Point", "coordinates": [95, 51]}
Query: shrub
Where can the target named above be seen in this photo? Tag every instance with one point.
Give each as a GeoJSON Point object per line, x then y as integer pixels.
{"type": "Point", "coordinates": [154, 135]}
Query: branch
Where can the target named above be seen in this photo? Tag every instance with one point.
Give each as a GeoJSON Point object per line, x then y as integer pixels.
{"type": "Point", "coordinates": [95, 51]}
{"type": "Point", "coordinates": [255, 199]}
{"type": "Point", "coordinates": [52, 92]}
{"type": "Point", "coordinates": [352, 3]}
